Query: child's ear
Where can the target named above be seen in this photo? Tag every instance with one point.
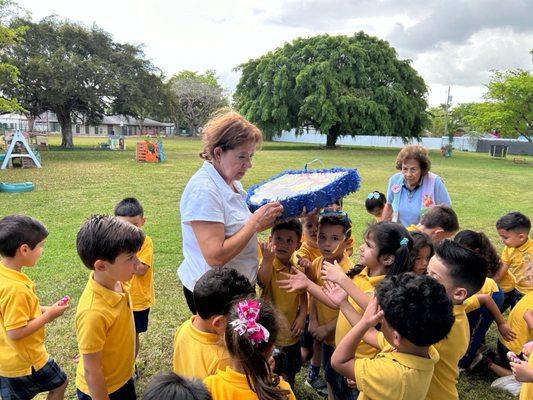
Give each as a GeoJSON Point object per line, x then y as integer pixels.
{"type": "Point", "coordinates": [396, 339]}
{"type": "Point", "coordinates": [100, 265]}
{"type": "Point", "coordinates": [219, 324]}
{"type": "Point", "coordinates": [143, 221]}
{"type": "Point", "coordinates": [459, 295]}
{"type": "Point", "coordinates": [23, 249]}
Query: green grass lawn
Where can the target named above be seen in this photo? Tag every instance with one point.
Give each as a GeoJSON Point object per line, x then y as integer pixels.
{"type": "Point", "coordinates": [74, 184]}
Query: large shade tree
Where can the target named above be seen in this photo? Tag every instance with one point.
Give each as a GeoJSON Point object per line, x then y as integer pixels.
{"type": "Point", "coordinates": [75, 71]}
{"type": "Point", "coordinates": [340, 85]}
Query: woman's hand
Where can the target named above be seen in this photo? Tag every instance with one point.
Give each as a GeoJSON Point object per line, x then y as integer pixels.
{"type": "Point", "coordinates": [265, 216]}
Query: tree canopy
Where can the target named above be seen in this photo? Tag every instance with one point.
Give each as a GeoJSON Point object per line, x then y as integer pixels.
{"type": "Point", "coordinates": [339, 85]}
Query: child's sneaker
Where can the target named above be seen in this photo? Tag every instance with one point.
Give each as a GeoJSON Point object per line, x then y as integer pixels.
{"type": "Point", "coordinates": [318, 384]}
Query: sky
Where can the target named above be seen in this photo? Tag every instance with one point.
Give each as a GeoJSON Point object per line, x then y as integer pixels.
{"type": "Point", "coordinates": [453, 43]}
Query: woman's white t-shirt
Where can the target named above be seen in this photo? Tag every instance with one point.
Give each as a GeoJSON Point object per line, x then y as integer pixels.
{"type": "Point", "coordinates": [207, 197]}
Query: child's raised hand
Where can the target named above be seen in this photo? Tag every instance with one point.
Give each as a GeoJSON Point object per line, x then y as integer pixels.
{"type": "Point", "coordinates": [296, 280]}
{"type": "Point", "coordinates": [506, 332]}
{"type": "Point", "coordinates": [56, 309]}
{"type": "Point", "coordinates": [303, 262]}
{"type": "Point", "coordinates": [373, 314]}
{"type": "Point", "coordinates": [332, 272]}
{"type": "Point", "coordinates": [522, 371]}
{"type": "Point", "coordinates": [267, 251]}
{"type": "Point", "coordinates": [334, 292]}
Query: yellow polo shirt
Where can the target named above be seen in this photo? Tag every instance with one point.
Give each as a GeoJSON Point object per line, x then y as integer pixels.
{"type": "Point", "coordinates": [393, 375]}
{"type": "Point", "coordinates": [506, 282]}
{"type": "Point", "coordinates": [518, 258]}
{"type": "Point", "coordinates": [518, 324]}
{"type": "Point", "coordinates": [308, 251]}
{"type": "Point", "coordinates": [141, 287]}
{"type": "Point", "coordinates": [489, 287]}
{"type": "Point", "coordinates": [104, 323]}
{"type": "Point", "coordinates": [197, 354]}
{"type": "Point", "coordinates": [287, 303]}
{"type": "Point", "coordinates": [324, 313]}
{"type": "Point", "coordinates": [230, 384]}
{"type": "Point", "coordinates": [19, 305]}
{"type": "Point", "coordinates": [526, 391]}
{"type": "Point", "coordinates": [451, 350]}
{"type": "Point", "coordinates": [367, 284]}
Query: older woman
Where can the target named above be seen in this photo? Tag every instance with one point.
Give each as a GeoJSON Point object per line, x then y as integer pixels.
{"type": "Point", "coordinates": [414, 189]}
{"type": "Point", "coordinates": [217, 227]}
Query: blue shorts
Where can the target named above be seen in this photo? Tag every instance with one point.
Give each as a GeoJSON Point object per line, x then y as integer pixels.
{"type": "Point", "coordinates": [49, 377]}
{"type": "Point", "coordinates": [141, 320]}
{"type": "Point", "coordinates": [126, 392]}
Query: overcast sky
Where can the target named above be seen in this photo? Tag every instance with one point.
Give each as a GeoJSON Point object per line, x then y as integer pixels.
{"type": "Point", "coordinates": [451, 42]}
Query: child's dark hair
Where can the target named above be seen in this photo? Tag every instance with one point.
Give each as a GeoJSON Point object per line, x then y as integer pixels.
{"type": "Point", "coordinates": [480, 243]}
{"type": "Point", "coordinates": [129, 207]}
{"type": "Point", "coordinates": [251, 356]}
{"type": "Point", "coordinates": [103, 237]}
{"type": "Point", "coordinates": [514, 221]}
{"type": "Point", "coordinates": [392, 238]}
{"type": "Point", "coordinates": [336, 218]}
{"type": "Point", "coordinates": [16, 230]}
{"type": "Point", "coordinates": [170, 386]}
{"type": "Point", "coordinates": [293, 225]}
{"type": "Point", "coordinates": [441, 216]}
{"type": "Point", "coordinates": [417, 307]}
{"type": "Point", "coordinates": [467, 268]}
{"type": "Point", "coordinates": [371, 202]}
{"type": "Point", "coordinates": [420, 240]}
{"type": "Point", "coordinates": [216, 290]}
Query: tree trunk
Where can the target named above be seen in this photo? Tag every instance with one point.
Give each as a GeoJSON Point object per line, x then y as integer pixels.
{"type": "Point", "coordinates": [31, 123]}
{"type": "Point", "coordinates": [331, 139]}
{"type": "Point", "coordinates": [66, 129]}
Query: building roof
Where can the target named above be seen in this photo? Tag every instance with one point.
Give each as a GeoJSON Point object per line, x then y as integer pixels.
{"type": "Point", "coordinates": [117, 119]}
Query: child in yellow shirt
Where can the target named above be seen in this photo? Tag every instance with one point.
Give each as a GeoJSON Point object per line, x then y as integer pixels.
{"type": "Point", "coordinates": [250, 338]}
{"type": "Point", "coordinates": [462, 272]}
{"type": "Point", "coordinates": [198, 347]}
{"type": "Point", "coordinates": [439, 222]}
{"type": "Point", "coordinates": [169, 386]}
{"type": "Point", "coordinates": [105, 329]}
{"type": "Point", "coordinates": [415, 314]}
{"type": "Point", "coordinates": [26, 369]}
{"type": "Point", "coordinates": [278, 257]}
{"type": "Point", "coordinates": [141, 286]}
{"type": "Point", "coordinates": [513, 229]}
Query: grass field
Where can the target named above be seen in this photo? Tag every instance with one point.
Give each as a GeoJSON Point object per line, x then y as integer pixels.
{"type": "Point", "coordinates": [73, 184]}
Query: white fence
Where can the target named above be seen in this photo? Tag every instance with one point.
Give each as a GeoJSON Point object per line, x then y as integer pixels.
{"type": "Point", "coordinates": [459, 143]}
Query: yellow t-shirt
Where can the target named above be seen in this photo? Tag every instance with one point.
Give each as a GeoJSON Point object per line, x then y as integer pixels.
{"type": "Point", "coordinates": [141, 287]}
{"type": "Point", "coordinates": [230, 384]}
{"type": "Point", "coordinates": [324, 313]}
{"type": "Point", "coordinates": [308, 251]}
{"type": "Point", "coordinates": [489, 287]}
{"type": "Point", "coordinates": [518, 259]}
{"type": "Point", "coordinates": [104, 323]}
{"type": "Point", "coordinates": [526, 391]}
{"type": "Point", "coordinates": [198, 354]}
{"type": "Point", "coordinates": [518, 324]}
{"type": "Point", "coordinates": [451, 350]}
{"type": "Point", "coordinates": [392, 375]}
{"type": "Point", "coordinates": [19, 305]}
{"type": "Point", "coordinates": [506, 282]}
{"type": "Point", "coordinates": [367, 284]}
{"type": "Point", "coordinates": [287, 303]}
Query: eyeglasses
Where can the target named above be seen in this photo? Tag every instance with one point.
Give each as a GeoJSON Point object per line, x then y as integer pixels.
{"type": "Point", "coordinates": [373, 195]}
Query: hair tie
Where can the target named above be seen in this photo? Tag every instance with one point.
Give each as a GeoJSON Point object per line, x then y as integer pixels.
{"type": "Point", "coordinates": [373, 195]}
{"type": "Point", "coordinates": [248, 312]}
{"type": "Point", "coordinates": [404, 242]}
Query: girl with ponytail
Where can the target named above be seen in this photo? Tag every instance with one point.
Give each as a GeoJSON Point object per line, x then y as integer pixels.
{"type": "Point", "coordinates": [250, 338]}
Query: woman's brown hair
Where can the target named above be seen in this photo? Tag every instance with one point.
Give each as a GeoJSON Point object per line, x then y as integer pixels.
{"type": "Point", "coordinates": [260, 378]}
{"type": "Point", "coordinates": [228, 131]}
{"type": "Point", "coordinates": [417, 153]}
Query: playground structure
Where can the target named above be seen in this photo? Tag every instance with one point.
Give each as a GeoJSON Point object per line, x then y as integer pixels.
{"type": "Point", "coordinates": [114, 142]}
{"type": "Point", "coordinates": [19, 149]}
{"type": "Point", "coordinates": [150, 151]}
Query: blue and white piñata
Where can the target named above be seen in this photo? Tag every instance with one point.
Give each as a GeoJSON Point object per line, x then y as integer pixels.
{"type": "Point", "coordinates": [306, 188]}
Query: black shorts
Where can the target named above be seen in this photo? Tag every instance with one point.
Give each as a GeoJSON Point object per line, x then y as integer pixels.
{"type": "Point", "coordinates": [141, 320]}
{"type": "Point", "coordinates": [49, 377]}
{"type": "Point", "coordinates": [306, 339]}
{"type": "Point", "coordinates": [288, 360]}
{"type": "Point", "coordinates": [126, 392]}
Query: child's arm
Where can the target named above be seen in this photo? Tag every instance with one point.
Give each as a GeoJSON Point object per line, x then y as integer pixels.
{"type": "Point", "coordinates": [343, 359]}
{"type": "Point", "coordinates": [297, 280]}
{"type": "Point", "coordinates": [504, 329]}
{"type": "Point", "coordinates": [528, 317]}
{"type": "Point", "coordinates": [264, 275]}
{"type": "Point", "coordinates": [522, 371]}
{"type": "Point", "coordinates": [298, 324]}
{"type": "Point", "coordinates": [322, 331]}
{"type": "Point", "coordinates": [307, 265]}
{"type": "Point", "coordinates": [51, 313]}
{"type": "Point", "coordinates": [94, 376]}
{"type": "Point", "coordinates": [501, 272]}
{"type": "Point", "coordinates": [334, 273]}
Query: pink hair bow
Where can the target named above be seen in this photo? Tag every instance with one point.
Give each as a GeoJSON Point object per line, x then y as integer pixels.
{"type": "Point", "coordinates": [248, 311]}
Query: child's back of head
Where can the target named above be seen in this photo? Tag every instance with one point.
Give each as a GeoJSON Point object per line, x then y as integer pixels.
{"type": "Point", "coordinates": [480, 243]}
{"type": "Point", "coordinates": [441, 217]}
{"type": "Point", "coordinates": [375, 202]}
{"type": "Point", "coordinates": [129, 207]}
{"type": "Point", "coordinates": [170, 386]}
{"type": "Point", "coordinates": [17, 230]}
{"type": "Point", "coordinates": [417, 307]}
{"type": "Point", "coordinates": [215, 291]}
{"type": "Point", "coordinates": [103, 237]}
{"type": "Point", "coordinates": [514, 222]}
